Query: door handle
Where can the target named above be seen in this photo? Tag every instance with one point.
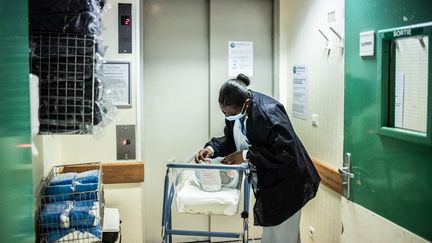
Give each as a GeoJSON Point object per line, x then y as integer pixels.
{"type": "Point", "coordinates": [345, 172]}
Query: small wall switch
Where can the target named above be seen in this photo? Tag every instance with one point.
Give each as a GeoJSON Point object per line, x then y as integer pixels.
{"type": "Point", "coordinates": [315, 120]}
{"type": "Point", "coordinates": [331, 16]}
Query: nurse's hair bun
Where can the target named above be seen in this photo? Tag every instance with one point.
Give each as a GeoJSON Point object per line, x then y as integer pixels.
{"type": "Point", "coordinates": [243, 78]}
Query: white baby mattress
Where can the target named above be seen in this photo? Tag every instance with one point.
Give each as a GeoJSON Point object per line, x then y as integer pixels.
{"type": "Point", "coordinates": [192, 199]}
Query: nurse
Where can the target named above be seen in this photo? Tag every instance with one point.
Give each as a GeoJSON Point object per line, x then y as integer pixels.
{"type": "Point", "coordinates": [259, 132]}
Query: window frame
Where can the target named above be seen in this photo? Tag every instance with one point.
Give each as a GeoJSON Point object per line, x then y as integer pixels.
{"type": "Point", "coordinates": [386, 77]}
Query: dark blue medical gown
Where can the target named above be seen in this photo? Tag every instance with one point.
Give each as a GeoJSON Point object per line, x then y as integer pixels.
{"type": "Point", "coordinates": [287, 179]}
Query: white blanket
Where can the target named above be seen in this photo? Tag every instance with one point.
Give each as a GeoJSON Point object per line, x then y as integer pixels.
{"type": "Point", "coordinates": [192, 199]}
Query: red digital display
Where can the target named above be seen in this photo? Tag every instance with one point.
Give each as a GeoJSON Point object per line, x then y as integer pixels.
{"type": "Point", "coordinates": [125, 20]}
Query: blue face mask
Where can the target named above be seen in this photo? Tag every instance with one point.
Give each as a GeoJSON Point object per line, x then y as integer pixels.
{"type": "Point", "coordinates": [238, 116]}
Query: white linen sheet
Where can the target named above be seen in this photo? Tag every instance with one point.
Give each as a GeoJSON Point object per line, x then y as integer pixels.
{"type": "Point", "coordinates": [190, 198]}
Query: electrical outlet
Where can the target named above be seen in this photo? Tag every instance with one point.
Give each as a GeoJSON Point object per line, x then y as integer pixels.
{"type": "Point", "coordinates": [315, 120]}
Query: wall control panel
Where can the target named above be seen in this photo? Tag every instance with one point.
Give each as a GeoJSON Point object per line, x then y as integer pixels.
{"type": "Point", "coordinates": [125, 28]}
{"type": "Point", "coordinates": [125, 136]}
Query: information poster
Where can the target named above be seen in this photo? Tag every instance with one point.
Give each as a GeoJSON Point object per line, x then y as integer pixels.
{"type": "Point", "coordinates": [300, 91]}
{"type": "Point", "coordinates": [240, 58]}
{"type": "Point", "coordinates": [117, 83]}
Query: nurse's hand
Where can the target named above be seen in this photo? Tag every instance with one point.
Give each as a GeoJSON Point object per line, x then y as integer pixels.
{"type": "Point", "coordinates": [203, 154]}
{"type": "Point", "coordinates": [234, 158]}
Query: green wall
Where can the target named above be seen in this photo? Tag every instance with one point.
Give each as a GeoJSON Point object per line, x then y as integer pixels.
{"type": "Point", "coordinates": [392, 177]}
{"type": "Point", "coordinates": [16, 200]}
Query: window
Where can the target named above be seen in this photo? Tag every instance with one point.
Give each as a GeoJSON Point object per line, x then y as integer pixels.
{"type": "Point", "coordinates": [404, 60]}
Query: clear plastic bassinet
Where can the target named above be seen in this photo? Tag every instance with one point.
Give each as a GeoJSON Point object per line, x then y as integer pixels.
{"type": "Point", "coordinates": [207, 191]}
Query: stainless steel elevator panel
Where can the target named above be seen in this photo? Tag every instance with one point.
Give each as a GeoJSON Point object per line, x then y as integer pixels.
{"type": "Point", "coordinates": [125, 137]}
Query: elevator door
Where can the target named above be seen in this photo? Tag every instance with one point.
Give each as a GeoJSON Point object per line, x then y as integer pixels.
{"type": "Point", "coordinates": [240, 20]}
{"type": "Point", "coordinates": [185, 61]}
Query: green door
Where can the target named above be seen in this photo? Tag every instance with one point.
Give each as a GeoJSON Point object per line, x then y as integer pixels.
{"type": "Point", "coordinates": [392, 175]}
{"type": "Point", "coordinates": [16, 195]}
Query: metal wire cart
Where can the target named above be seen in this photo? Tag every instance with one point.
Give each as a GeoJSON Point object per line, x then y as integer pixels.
{"type": "Point", "coordinates": [70, 206]}
{"type": "Point", "coordinates": [182, 180]}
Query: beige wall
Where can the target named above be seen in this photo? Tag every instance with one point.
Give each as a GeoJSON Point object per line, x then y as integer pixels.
{"type": "Point", "coordinates": [300, 43]}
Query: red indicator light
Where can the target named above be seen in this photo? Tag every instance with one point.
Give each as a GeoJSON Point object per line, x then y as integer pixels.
{"type": "Point", "coordinates": [125, 20]}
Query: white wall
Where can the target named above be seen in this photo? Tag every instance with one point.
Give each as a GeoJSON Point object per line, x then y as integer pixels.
{"type": "Point", "coordinates": [362, 225]}
{"type": "Point", "coordinates": [300, 43]}
{"type": "Point", "coordinates": [67, 149]}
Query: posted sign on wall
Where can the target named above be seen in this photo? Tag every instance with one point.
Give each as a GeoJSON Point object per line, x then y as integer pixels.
{"type": "Point", "coordinates": [300, 91]}
{"type": "Point", "coordinates": [117, 82]}
{"type": "Point", "coordinates": [367, 43]}
{"type": "Point", "coordinates": [240, 58]}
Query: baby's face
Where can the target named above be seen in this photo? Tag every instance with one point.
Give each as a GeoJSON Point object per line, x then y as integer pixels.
{"type": "Point", "coordinates": [231, 173]}
{"type": "Point", "coordinates": [227, 176]}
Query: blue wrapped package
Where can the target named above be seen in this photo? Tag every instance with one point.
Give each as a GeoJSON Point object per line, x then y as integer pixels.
{"type": "Point", "coordinates": [59, 189]}
{"type": "Point", "coordinates": [58, 193]}
{"type": "Point", "coordinates": [56, 215]}
{"type": "Point", "coordinates": [86, 191]}
{"type": "Point", "coordinates": [91, 176]}
{"type": "Point", "coordinates": [84, 213]}
{"type": "Point", "coordinates": [85, 187]}
{"type": "Point", "coordinates": [62, 179]}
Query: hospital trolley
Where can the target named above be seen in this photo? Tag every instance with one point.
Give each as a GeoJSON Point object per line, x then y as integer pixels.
{"type": "Point", "coordinates": [70, 205]}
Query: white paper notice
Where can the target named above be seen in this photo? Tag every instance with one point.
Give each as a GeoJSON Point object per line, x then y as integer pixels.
{"type": "Point", "coordinates": [116, 80]}
{"type": "Point", "coordinates": [300, 91]}
{"type": "Point", "coordinates": [367, 43]}
{"type": "Point", "coordinates": [240, 58]}
{"type": "Point", "coordinates": [399, 99]}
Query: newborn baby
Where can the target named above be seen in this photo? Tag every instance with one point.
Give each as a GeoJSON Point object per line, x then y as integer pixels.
{"type": "Point", "coordinates": [214, 180]}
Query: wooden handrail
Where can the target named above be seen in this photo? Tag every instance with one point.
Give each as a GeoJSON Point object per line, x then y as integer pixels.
{"type": "Point", "coordinates": [113, 172]}
{"type": "Point", "coordinates": [133, 172]}
{"type": "Point", "coordinates": [329, 175]}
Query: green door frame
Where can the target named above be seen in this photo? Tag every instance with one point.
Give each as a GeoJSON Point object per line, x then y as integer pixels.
{"type": "Point", "coordinates": [16, 189]}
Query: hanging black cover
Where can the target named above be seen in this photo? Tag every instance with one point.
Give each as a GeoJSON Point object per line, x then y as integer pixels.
{"type": "Point", "coordinates": [85, 23]}
{"type": "Point", "coordinates": [64, 6]}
